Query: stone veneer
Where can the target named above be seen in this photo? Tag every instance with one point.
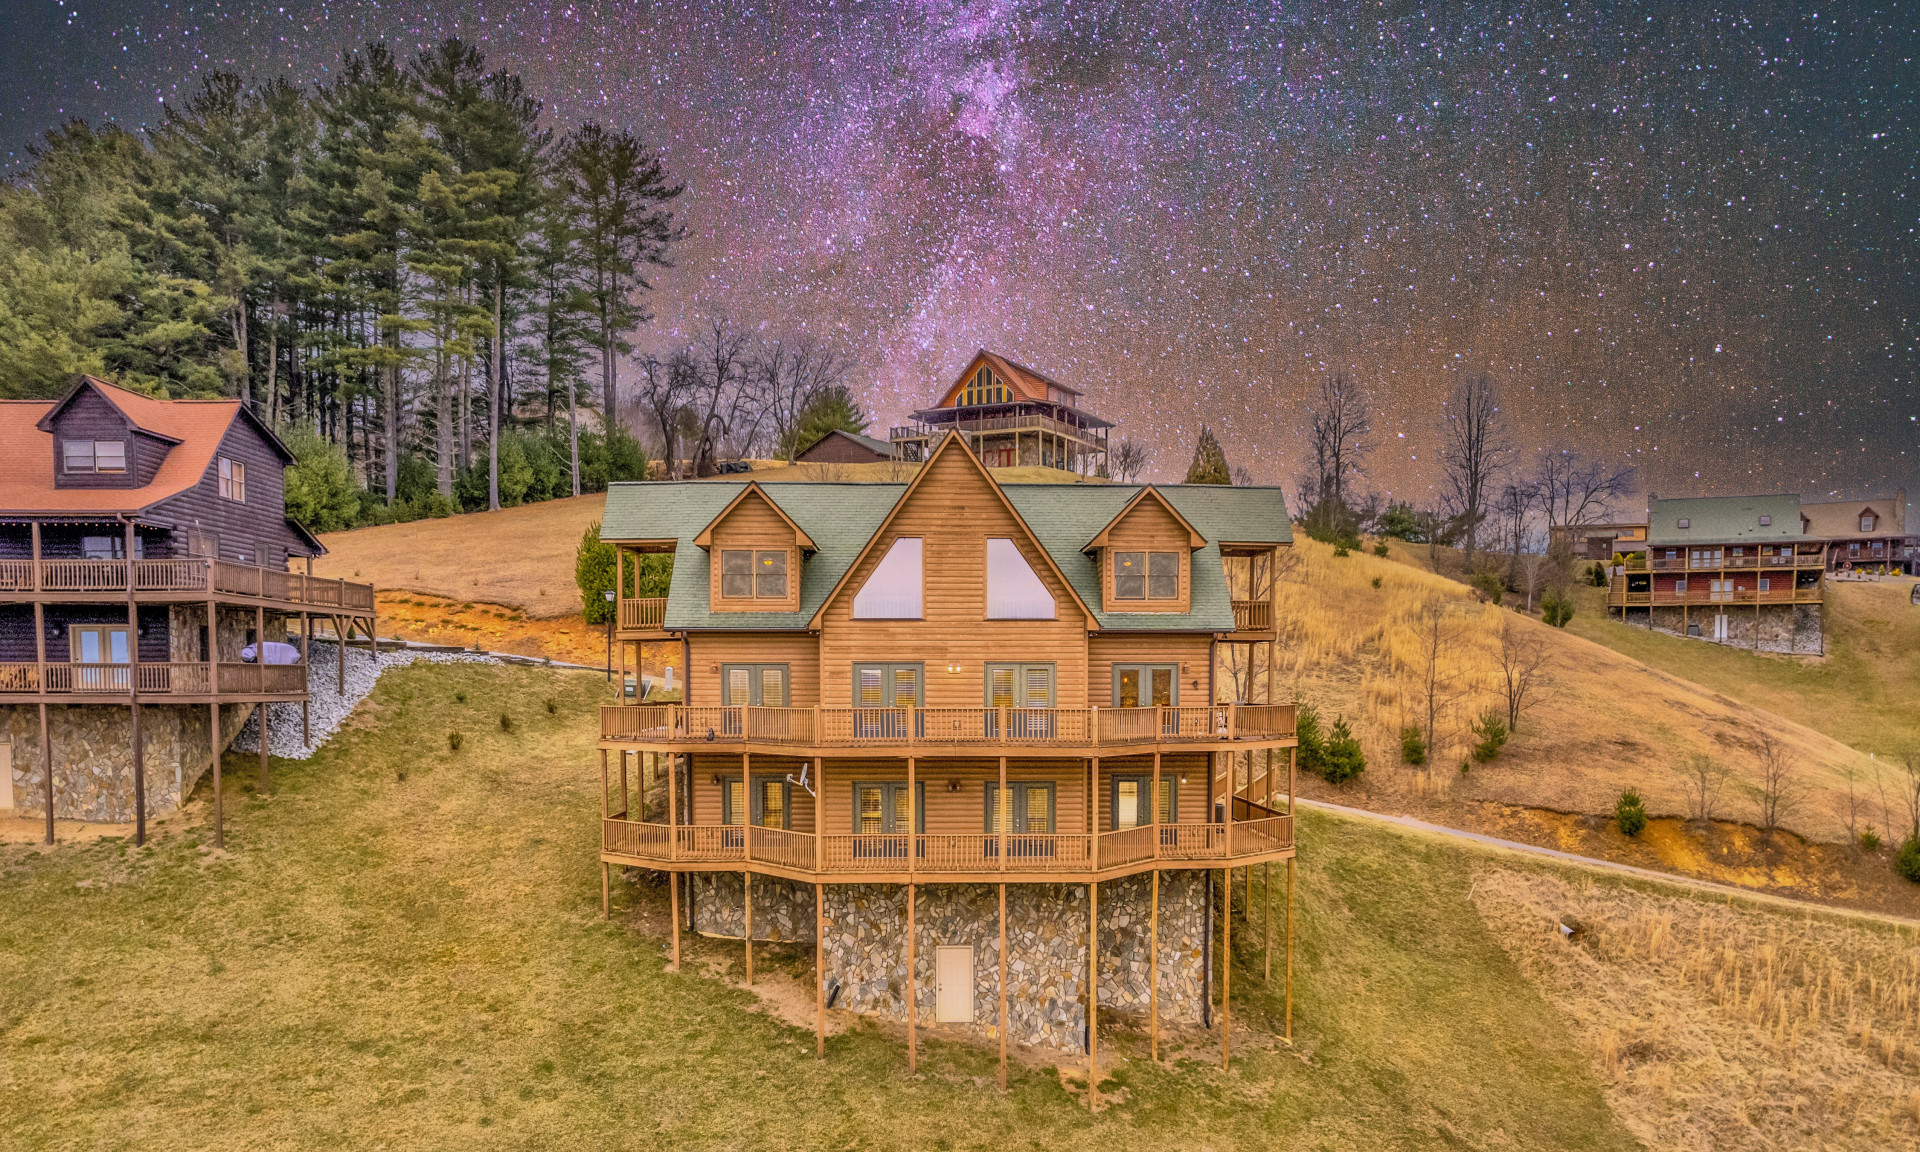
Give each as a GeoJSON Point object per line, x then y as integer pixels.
{"type": "Point", "coordinates": [1786, 628]}
{"type": "Point", "coordinates": [1046, 945]}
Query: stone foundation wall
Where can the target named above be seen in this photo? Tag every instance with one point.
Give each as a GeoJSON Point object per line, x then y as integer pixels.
{"type": "Point", "coordinates": [1790, 628]}
{"type": "Point", "coordinates": [865, 953]}
{"type": "Point", "coordinates": [93, 756]}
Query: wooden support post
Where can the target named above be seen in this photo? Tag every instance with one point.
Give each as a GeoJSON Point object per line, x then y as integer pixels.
{"type": "Point", "coordinates": [1153, 806]}
{"type": "Point", "coordinates": [373, 631]}
{"type": "Point", "coordinates": [1001, 822]}
{"type": "Point", "coordinates": [1266, 919]}
{"type": "Point", "coordinates": [913, 1039]}
{"type": "Point", "coordinates": [1093, 995]}
{"type": "Point", "coordinates": [673, 826]}
{"type": "Point", "coordinates": [133, 697]}
{"type": "Point", "coordinates": [746, 898]}
{"type": "Point", "coordinates": [46, 761]}
{"type": "Point", "coordinates": [1003, 976]}
{"type": "Point", "coordinates": [260, 664]}
{"type": "Point", "coordinates": [819, 809]}
{"type": "Point", "coordinates": [1093, 809]}
{"type": "Point", "coordinates": [1153, 961]}
{"type": "Point", "coordinates": [606, 895]}
{"type": "Point", "coordinates": [626, 808]}
{"type": "Point", "coordinates": [219, 813]}
{"type": "Point", "coordinates": [1226, 968]}
{"type": "Point", "coordinates": [1289, 1017]}
{"type": "Point", "coordinates": [819, 968]}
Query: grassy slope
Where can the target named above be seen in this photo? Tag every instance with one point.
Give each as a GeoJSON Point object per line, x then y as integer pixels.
{"type": "Point", "coordinates": [420, 962]}
{"type": "Point", "coordinates": [1866, 693]}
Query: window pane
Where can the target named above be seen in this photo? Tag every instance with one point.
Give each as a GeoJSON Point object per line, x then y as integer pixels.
{"type": "Point", "coordinates": [1163, 575]}
{"type": "Point", "coordinates": [871, 815]}
{"type": "Point", "coordinates": [902, 817]}
{"type": "Point", "coordinates": [89, 646]}
{"type": "Point", "coordinates": [906, 687]}
{"type": "Point", "coordinates": [1126, 804]}
{"type": "Point", "coordinates": [101, 547]}
{"type": "Point", "coordinates": [773, 807]}
{"type": "Point", "coordinates": [1039, 688]}
{"type": "Point", "coordinates": [892, 591]}
{"type": "Point", "coordinates": [1129, 688]}
{"type": "Point", "coordinates": [773, 687]}
{"type": "Point", "coordinates": [736, 573]}
{"type": "Point", "coordinates": [1014, 590]}
{"type": "Point", "coordinates": [1166, 800]}
{"type": "Point", "coordinates": [736, 802]}
{"type": "Point", "coordinates": [1000, 686]}
{"type": "Point", "coordinates": [870, 694]}
{"type": "Point", "coordinates": [110, 455]}
{"type": "Point", "coordinates": [1039, 817]}
{"type": "Point", "coordinates": [770, 576]}
{"type": "Point", "coordinates": [739, 684]}
{"type": "Point", "coordinates": [79, 455]}
{"type": "Point", "coordinates": [117, 642]}
{"type": "Point", "coordinates": [1129, 575]}
{"type": "Point", "coordinates": [1163, 687]}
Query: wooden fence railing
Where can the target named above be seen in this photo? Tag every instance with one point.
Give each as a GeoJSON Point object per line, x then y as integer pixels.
{"type": "Point", "coordinates": [643, 614]}
{"type": "Point", "coordinates": [854, 727]}
{"type": "Point", "coordinates": [1253, 615]}
{"type": "Point", "coordinates": [153, 679]}
{"type": "Point", "coordinates": [188, 574]}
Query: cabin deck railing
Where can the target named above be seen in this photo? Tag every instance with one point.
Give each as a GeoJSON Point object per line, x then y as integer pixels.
{"type": "Point", "coordinates": [1253, 615]}
{"type": "Point", "coordinates": [943, 727]}
{"type": "Point", "coordinates": [187, 574]}
{"type": "Point", "coordinates": [1027, 853]}
{"type": "Point", "coordinates": [157, 678]}
{"type": "Point", "coordinates": [645, 614]}
{"type": "Point", "coordinates": [1778, 560]}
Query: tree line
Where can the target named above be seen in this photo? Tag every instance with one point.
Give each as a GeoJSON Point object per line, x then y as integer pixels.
{"type": "Point", "coordinates": [399, 266]}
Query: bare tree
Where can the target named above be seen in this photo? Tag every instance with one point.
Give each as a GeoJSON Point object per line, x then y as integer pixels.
{"type": "Point", "coordinates": [1850, 807]}
{"type": "Point", "coordinates": [1706, 779]}
{"type": "Point", "coordinates": [791, 372]}
{"type": "Point", "coordinates": [1523, 659]}
{"type": "Point", "coordinates": [721, 389]}
{"type": "Point", "coordinates": [1439, 687]}
{"type": "Point", "coordinates": [1515, 506]}
{"type": "Point", "coordinates": [1533, 570]}
{"type": "Point", "coordinates": [663, 393]}
{"type": "Point", "coordinates": [1575, 490]}
{"type": "Point", "coordinates": [1128, 459]}
{"type": "Point", "coordinates": [1475, 447]}
{"type": "Point", "coordinates": [1780, 789]}
{"type": "Point", "coordinates": [1242, 476]}
{"type": "Point", "coordinates": [1910, 792]}
{"type": "Point", "coordinates": [1340, 417]}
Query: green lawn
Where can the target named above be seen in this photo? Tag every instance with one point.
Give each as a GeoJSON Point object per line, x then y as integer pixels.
{"type": "Point", "coordinates": [1865, 693]}
{"type": "Point", "coordinates": [403, 948]}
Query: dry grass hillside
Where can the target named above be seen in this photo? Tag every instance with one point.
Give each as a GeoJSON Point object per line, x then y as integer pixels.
{"type": "Point", "coordinates": [1603, 721]}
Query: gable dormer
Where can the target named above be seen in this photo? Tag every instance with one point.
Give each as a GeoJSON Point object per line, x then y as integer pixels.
{"type": "Point", "coordinates": [754, 555]}
{"type": "Point", "coordinates": [1145, 556]}
{"type": "Point", "coordinates": [96, 444]}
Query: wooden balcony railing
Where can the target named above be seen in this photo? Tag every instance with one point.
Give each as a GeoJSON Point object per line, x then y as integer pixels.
{"type": "Point", "coordinates": [187, 575]}
{"type": "Point", "coordinates": [1253, 615]}
{"type": "Point", "coordinates": [1027, 854]}
{"type": "Point", "coordinates": [1778, 560]}
{"type": "Point", "coordinates": [643, 615]}
{"type": "Point", "coordinates": [1618, 596]}
{"type": "Point", "coordinates": [934, 727]}
{"type": "Point", "coordinates": [154, 679]}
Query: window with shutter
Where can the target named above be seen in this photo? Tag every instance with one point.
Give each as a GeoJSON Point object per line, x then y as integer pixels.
{"type": "Point", "coordinates": [1126, 801]}
{"type": "Point", "coordinates": [1146, 685]}
{"type": "Point", "coordinates": [772, 802]}
{"type": "Point", "coordinates": [1030, 811]}
{"type": "Point", "coordinates": [758, 685]}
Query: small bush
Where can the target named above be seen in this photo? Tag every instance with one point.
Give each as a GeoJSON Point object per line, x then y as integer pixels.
{"type": "Point", "coordinates": [1376, 581]}
{"type": "Point", "coordinates": [1343, 759]}
{"type": "Point", "coordinates": [1492, 730]}
{"type": "Point", "coordinates": [1556, 608]}
{"type": "Point", "coordinates": [453, 741]}
{"type": "Point", "coordinates": [1597, 575]}
{"type": "Point", "coordinates": [1341, 551]}
{"type": "Point", "coordinates": [1489, 585]}
{"type": "Point", "coordinates": [1907, 862]}
{"type": "Point", "coordinates": [1413, 746]}
{"type": "Point", "coordinates": [1631, 813]}
{"type": "Point", "coordinates": [1379, 550]}
{"type": "Point", "coordinates": [506, 722]}
{"type": "Point", "coordinates": [1869, 839]}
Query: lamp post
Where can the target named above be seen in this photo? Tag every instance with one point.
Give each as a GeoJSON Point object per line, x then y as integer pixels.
{"type": "Point", "coordinates": [609, 595]}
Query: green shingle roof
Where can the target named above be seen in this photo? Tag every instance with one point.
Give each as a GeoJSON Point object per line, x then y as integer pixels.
{"type": "Point", "coordinates": [1726, 520]}
{"type": "Point", "coordinates": [842, 517]}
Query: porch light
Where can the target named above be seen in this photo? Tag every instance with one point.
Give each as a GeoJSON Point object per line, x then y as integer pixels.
{"type": "Point", "coordinates": [953, 667]}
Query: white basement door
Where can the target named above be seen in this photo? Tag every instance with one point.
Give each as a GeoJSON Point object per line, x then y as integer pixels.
{"type": "Point", "coordinates": [953, 981]}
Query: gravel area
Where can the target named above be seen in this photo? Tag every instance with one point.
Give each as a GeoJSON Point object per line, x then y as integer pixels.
{"type": "Point", "coordinates": [329, 709]}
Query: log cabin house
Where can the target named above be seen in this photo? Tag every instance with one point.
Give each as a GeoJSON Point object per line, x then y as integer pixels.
{"type": "Point", "coordinates": [143, 560]}
{"type": "Point", "coordinates": [1738, 570]}
{"type": "Point", "coordinates": [1011, 416]}
{"type": "Point", "coordinates": [1869, 535]}
{"type": "Point", "coordinates": [993, 751]}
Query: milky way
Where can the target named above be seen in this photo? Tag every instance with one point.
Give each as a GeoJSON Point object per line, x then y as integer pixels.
{"type": "Point", "coordinates": [1678, 235]}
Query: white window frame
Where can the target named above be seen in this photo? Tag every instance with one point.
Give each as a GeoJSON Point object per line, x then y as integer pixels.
{"type": "Point", "coordinates": [233, 480]}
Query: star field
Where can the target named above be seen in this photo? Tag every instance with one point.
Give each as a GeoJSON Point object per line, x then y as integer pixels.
{"type": "Point", "coordinates": [1677, 235]}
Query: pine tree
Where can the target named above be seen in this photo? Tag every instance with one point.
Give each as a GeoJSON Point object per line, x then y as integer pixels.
{"type": "Point", "coordinates": [1209, 462]}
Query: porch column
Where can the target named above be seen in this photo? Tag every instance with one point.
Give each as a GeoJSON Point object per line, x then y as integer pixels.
{"type": "Point", "coordinates": [1093, 812]}
{"type": "Point", "coordinates": [606, 910]}
{"type": "Point", "coordinates": [260, 670]}
{"type": "Point", "coordinates": [746, 898]}
{"type": "Point", "coordinates": [133, 698]}
{"type": "Point", "coordinates": [1289, 1016]}
{"type": "Point", "coordinates": [40, 684]}
{"type": "Point", "coordinates": [912, 1007]}
{"type": "Point", "coordinates": [1093, 995]}
{"type": "Point", "coordinates": [1003, 980]}
{"type": "Point", "coordinates": [219, 821]}
{"type": "Point", "coordinates": [1153, 961]}
{"type": "Point", "coordinates": [1226, 964]}
{"type": "Point", "coordinates": [306, 662]}
{"type": "Point", "coordinates": [746, 850]}
{"type": "Point", "coordinates": [1001, 821]}
{"type": "Point", "coordinates": [46, 757]}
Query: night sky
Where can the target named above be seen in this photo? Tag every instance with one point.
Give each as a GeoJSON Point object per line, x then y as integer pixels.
{"type": "Point", "coordinates": [1680, 235]}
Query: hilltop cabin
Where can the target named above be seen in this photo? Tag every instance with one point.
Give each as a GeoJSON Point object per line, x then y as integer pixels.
{"type": "Point", "coordinates": [143, 561]}
{"type": "Point", "coordinates": [988, 749]}
{"type": "Point", "coordinates": [1010, 416]}
{"type": "Point", "coordinates": [1866, 535]}
{"type": "Point", "coordinates": [840, 446]}
{"type": "Point", "coordinates": [1601, 542]}
{"type": "Point", "coordinates": [1738, 570]}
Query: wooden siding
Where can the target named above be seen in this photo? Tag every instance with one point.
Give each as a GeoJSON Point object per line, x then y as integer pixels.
{"type": "Point", "coordinates": [1193, 653]}
{"type": "Point", "coordinates": [954, 509]}
{"type": "Point", "coordinates": [1147, 527]}
{"type": "Point", "coordinates": [754, 524]}
{"type": "Point", "coordinates": [89, 416]}
{"type": "Point", "coordinates": [241, 527]}
{"type": "Point", "coordinates": [837, 449]}
{"type": "Point", "coordinates": [799, 651]}
{"type": "Point", "coordinates": [707, 808]}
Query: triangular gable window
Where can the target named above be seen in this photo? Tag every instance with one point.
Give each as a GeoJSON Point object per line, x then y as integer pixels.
{"type": "Point", "coordinates": [892, 591]}
{"type": "Point", "coordinates": [1014, 590]}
